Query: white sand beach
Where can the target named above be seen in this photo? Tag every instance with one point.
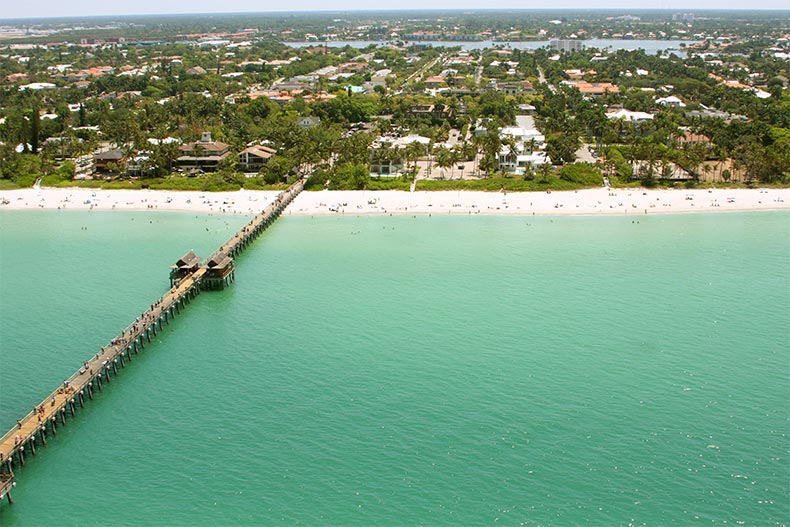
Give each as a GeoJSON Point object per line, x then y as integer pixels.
{"type": "Point", "coordinates": [245, 202]}
{"type": "Point", "coordinates": [239, 202]}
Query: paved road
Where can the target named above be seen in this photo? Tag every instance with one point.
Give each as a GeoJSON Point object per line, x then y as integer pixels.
{"type": "Point", "coordinates": [454, 138]}
{"type": "Point", "coordinates": [417, 75]}
{"type": "Point", "coordinates": [542, 79]}
{"type": "Point", "coordinates": [478, 74]}
{"type": "Point", "coordinates": [585, 155]}
{"type": "Point", "coordinates": [526, 121]}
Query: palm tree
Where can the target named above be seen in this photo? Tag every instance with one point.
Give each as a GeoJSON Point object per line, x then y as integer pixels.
{"type": "Point", "coordinates": [476, 145]}
{"type": "Point", "coordinates": [455, 157]}
{"type": "Point", "coordinates": [412, 153]}
{"type": "Point", "coordinates": [443, 159]}
{"type": "Point", "coordinates": [531, 145]}
{"type": "Point", "coordinates": [492, 144]}
{"type": "Point", "coordinates": [706, 169]}
{"type": "Point", "coordinates": [544, 170]}
{"type": "Point", "coordinates": [512, 150]}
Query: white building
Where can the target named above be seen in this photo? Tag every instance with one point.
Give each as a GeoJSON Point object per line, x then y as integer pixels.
{"type": "Point", "coordinates": [522, 135]}
{"type": "Point", "coordinates": [567, 45]}
{"type": "Point", "coordinates": [671, 101]}
{"type": "Point", "coordinates": [523, 146]}
{"type": "Point", "coordinates": [629, 116]}
{"type": "Point", "coordinates": [517, 163]}
{"type": "Point", "coordinates": [38, 86]}
{"type": "Point", "coordinates": [391, 164]}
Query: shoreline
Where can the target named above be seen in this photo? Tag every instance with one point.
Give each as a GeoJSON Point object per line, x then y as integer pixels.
{"type": "Point", "coordinates": [586, 202]}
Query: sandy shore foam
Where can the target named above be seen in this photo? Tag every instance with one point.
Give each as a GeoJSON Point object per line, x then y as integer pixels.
{"type": "Point", "coordinates": [246, 202]}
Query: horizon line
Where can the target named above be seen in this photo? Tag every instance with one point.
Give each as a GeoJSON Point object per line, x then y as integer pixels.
{"type": "Point", "coordinates": [405, 10]}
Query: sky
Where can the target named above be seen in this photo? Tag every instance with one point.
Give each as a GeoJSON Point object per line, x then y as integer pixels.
{"type": "Point", "coordinates": [54, 8]}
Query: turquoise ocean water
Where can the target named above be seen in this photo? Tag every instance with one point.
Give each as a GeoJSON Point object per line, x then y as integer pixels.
{"type": "Point", "coordinates": [409, 371]}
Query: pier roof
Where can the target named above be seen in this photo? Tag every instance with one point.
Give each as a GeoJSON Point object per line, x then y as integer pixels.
{"type": "Point", "coordinates": [188, 261]}
{"type": "Point", "coordinates": [219, 259]}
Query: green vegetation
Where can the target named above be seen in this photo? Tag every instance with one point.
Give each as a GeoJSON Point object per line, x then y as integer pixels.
{"type": "Point", "coordinates": [496, 184]}
{"type": "Point", "coordinates": [582, 174]}
{"type": "Point", "coordinates": [161, 87]}
{"type": "Point", "coordinates": [20, 171]}
{"type": "Point", "coordinates": [212, 183]}
{"type": "Point", "coordinates": [388, 184]}
{"type": "Point", "coordinates": [8, 184]}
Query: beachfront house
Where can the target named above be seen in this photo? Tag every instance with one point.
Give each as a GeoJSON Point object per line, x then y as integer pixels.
{"type": "Point", "coordinates": [522, 146]}
{"type": "Point", "coordinates": [517, 161]}
{"type": "Point", "coordinates": [665, 171]}
{"type": "Point", "coordinates": [698, 142]}
{"type": "Point", "coordinates": [389, 155]}
{"type": "Point", "coordinates": [140, 165]}
{"type": "Point", "coordinates": [690, 138]}
{"type": "Point", "coordinates": [253, 158]}
{"type": "Point", "coordinates": [205, 154]}
{"type": "Point", "coordinates": [108, 160]}
{"type": "Point", "coordinates": [385, 163]}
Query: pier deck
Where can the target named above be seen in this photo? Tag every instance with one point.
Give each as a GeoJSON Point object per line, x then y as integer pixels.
{"type": "Point", "coordinates": [240, 240]}
{"type": "Point", "coordinates": [34, 427]}
{"type": "Point", "coordinates": [56, 403]}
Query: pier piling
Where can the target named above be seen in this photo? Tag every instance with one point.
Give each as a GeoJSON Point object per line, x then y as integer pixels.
{"type": "Point", "coordinates": [187, 279]}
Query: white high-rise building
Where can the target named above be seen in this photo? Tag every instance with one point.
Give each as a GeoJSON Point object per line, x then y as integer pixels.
{"type": "Point", "coordinates": [567, 45]}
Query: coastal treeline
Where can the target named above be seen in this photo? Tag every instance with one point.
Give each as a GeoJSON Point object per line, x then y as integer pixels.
{"type": "Point", "coordinates": [716, 111]}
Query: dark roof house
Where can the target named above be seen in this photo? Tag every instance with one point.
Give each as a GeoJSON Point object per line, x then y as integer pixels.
{"type": "Point", "coordinates": [102, 160]}
{"type": "Point", "coordinates": [205, 153]}
{"type": "Point", "coordinates": [252, 158]}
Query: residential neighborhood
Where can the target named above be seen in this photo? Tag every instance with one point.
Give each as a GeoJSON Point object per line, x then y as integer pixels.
{"type": "Point", "coordinates": [257, 106]}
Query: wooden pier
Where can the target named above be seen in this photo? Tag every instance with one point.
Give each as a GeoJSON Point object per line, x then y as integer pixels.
{"type": "Point", "coordinates": [6, 484]}
{"type": "Point", "coordinates": [187, 279]}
